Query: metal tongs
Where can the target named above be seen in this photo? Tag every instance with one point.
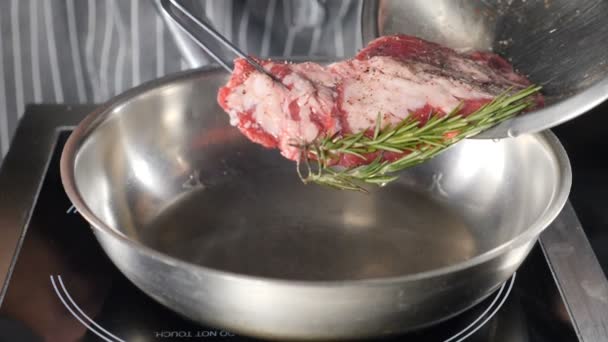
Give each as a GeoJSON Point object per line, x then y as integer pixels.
{"type": "Point", "coordinates": [192, 27]}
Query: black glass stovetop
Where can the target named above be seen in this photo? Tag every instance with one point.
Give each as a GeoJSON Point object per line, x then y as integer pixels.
{"type": "Point", "coordinates": [64, 288]}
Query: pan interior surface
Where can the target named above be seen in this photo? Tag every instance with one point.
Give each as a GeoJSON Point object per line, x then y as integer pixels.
{"type": "Point", "coordinates": [266, 224]}
{"type": "Point", "coordinates": [167, 170]}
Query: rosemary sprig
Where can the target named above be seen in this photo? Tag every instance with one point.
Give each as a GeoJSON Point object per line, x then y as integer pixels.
{"type": "Point", "coordinates": [421, 143]}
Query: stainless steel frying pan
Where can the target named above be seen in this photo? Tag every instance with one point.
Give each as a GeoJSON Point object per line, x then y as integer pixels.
{"type": "Point", "coordinates": [223, 232]}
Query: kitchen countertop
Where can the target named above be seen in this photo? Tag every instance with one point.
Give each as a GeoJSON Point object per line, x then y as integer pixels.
{"type": "Point", "coordinates": [586, 142]}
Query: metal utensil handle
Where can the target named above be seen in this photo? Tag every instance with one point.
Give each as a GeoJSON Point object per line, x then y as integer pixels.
{"type": "Point", "coordinates": [190, 24]}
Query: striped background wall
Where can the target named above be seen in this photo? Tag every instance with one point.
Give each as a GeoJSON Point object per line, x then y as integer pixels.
{"type": "Point", "coordinates": [85, 51]}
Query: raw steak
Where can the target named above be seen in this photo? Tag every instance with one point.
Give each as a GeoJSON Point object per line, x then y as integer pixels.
{"type": "Point", "coordinates": [395, 76]}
